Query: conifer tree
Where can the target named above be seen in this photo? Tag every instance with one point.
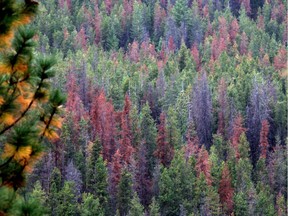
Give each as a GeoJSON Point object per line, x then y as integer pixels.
{"type": "Point", "coordinates": [164, 151]}
{"type": "Point", "coordinates": [264, 138]}
{"type": "Point", "coordinates": [202, 110]}
{"type": "Point", "coordinates": [154, 208]}
{"type": "Point", "coordinates": [55, 187]}
{"type": "Point", "coordinates": [97, 175]}
{"type": "Point", "coordinates": [136, 208]}
{"type": "Point", "coordinates": [124, 195]}
{"type": "Point", "coordinates": [176, 186]}
{"type": "Point", "coordinates": [90, 206]}
{"type": "Point", "coordinates": [173, 131]}
{"type": "Point", "coordinates": [125, 141]}
{"type": "Point", "coordinates": [67, 200]}
{"type": "Point", "coordinates": [148, 135]}
{"type": "Point", "coordinates": [142, 179]}
{"type": "Point", "coordinates": [226, 191]}
{"type": "Point", "coordinates": [28, 107]}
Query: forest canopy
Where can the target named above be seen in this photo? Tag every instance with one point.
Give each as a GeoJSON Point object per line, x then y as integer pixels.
{"type": "Point", "coordinates": [174, 107]}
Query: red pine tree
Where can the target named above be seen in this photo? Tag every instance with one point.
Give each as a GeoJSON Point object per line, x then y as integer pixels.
{"type": "Point", "coordinates": [74, 104]}
{"type": "Point", "coordinates": [218, 46]}
{"type": "Point", "coordinates": [125, 147]}
{"type": "Point", "coordinates": [164, 151]}
{"type": "Point", "coordinates": [265, 60]}
{"type": "Point", "coordinates": [109, 131]}
{"type": "Point", "coordinates": [196, 57]}
{"type": "Point", "coordinates": [61, 3]}
{"type": "Point", "coordinates": [171, 45]}
{"type": "Point", "coordinates": [280, 60]}
{"type": "Point", "coordinates": [103, 123]}
{"type": "Point", "coordinates": [206, 11]}
{"type": "Point", "coordinates": [238, 129]}
{"type": "Point", "coordinates": [192, 147]}
{"type": "Point", "coordinates": [244, 44]}
{"type": "Point", "coordinates": [285, 32]}
{"type": "Point", "coordinates": [234, 29]}
{"type": "Point", "coordinates": [97, 25]}
{"type": "Point", "coordinates": [69, 5]}
{"type": "Point", "coordinates": [115, 173]}
{"type": "Point", "coordinates": [81, 38]}
{"type": "Point", "coordinates": [261, 23]}
{"type": "Point", "coordinates": [128, 6]}
{"type": "Point", "coordinates": [246, 4]}
{"type": "Point", "coordinates": [203, 165]}
{"type": "Point", "coordinates": [264, 138]}
{"type": "Point", "coordinates": [108, 6]}
{"type": "Point", "coordinates": [223, 30]}
{"type": "Point", "coordinates": [226, 191]}
{"type": "Point", "coordinates": [209, 31]}
{"type": "Point", "coordinates": [134, 52]}
{"type": "Point", "coordinates": [222, 100]}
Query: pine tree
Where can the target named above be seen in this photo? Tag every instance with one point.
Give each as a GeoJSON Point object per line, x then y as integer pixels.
{"type": "Point", "coordinates": [136, 208]}
{"type": "Point", "coordinates": [264, 138]}
{"type": "Point", "coordinates": [67, 200]}
{"type": "Point", "coordinates": [173, 131]}
{"type": "Point", "coordinates": [238, 130]}
{"type": "Point", "coordinates": [154, 208]}
{"type": "Point", "coordinates": [97, 175]}
{"type": "Point", "coordinates": [264, 201]}
{"type": "Point", "coordinates": [164, 151]}
{"type": "Point", "coordinates": [29, 108]}
{"type": "Point", "coordinates": [124, 196]}
{"type": "Point", "coordinates": [203, 165]}
{"type": "Point", "coordinates": [226, 191]}
{"type": "Point", "coordinates": [55, 187]}
{"type": "Point", "coordinates": [143, 181]}
{"type": "Point", "coordinates": [202, 110]}
{"type": "Point", "coordinates": [125, 141]}
{"type": "Point", "coordinates": [90, 206]}
{"type": "Point", "coordinates": [148, 135]}
{"type": "Point", "coordinates": [176, 186]}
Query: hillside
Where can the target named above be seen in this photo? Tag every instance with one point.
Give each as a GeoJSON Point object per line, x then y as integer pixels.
{"type": "Point", "coordinates": [173, 108]}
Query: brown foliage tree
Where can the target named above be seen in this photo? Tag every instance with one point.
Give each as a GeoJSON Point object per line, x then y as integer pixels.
{"type": "Point", "coordinates": [164, 151]}
{"type": "Point", "coordinates": [264, 138]}
{"type": "Point", "coordinates": [226, 191]}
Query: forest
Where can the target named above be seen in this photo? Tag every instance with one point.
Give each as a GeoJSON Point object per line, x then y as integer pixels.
{"type": "Point", "coordinates": [143, 107]}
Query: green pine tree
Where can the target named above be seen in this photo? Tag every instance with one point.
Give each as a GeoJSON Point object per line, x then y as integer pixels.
{"type": "Point", "coordinates": [67, 200]}
{"type": "Point", "coordinates": [154, 208]}
{"type": "Point", "coordinates": [177, 186]}
{"type": "Point", "coordinates": [148, 135]}
{"type": "Point", "coordinates": [136, 208]}
{"type": "Point", "coordinates": [97, 175]}
{"type": "Point", "coordinates": [90, 206]}
{"type": "Point", "coordinates": [124, 195]}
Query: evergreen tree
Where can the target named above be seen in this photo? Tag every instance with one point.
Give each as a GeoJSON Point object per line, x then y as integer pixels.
{"type": "Point", "coordinates": [97, 175]}
{"type": "Point", "coordinates": [202, 110]}
{"type": "Point", "coordinates": [90, 206]}
{"type": "Point", "coordinates": [154, 208]}
{"type": "Point", "coordinates": [29, 108]}
{"type": "Point", "coordinates": [264, 201]}
{"type": "Point", "coordinates": [173, 131]}
{"type": "Point", "coordinates": [67, 200]}
{"type": "Point", "coordinates": [136, 208]}
{"type": "Point", "coordinates": [55, 187]}
{"type": "Point", "coordinates": [124, 195]}
{"type": "Point", "coordinates": [164, 151]}
{"type": "Point", "coordinates": [226, 191]}
{"type": "Point", "coordinates": [148, 135]}
{"type": "Point", "coordinates": [176, 186]}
